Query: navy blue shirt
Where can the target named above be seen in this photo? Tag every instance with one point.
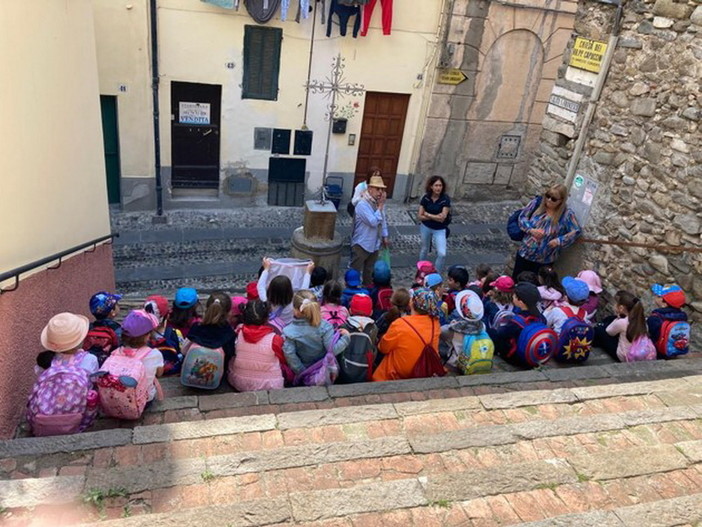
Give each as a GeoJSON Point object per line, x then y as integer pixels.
{"type": "Point", "coordinates": [435, 207]}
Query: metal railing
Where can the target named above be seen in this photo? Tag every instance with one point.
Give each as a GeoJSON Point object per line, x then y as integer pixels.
{"type": "Point", "coordinates": [15, 273]}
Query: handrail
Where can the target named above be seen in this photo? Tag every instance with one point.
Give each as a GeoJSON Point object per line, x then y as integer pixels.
{"type": "Point", "coordinates": [15, 273]}
{"type": "Point", "coordinates": [654, 246]}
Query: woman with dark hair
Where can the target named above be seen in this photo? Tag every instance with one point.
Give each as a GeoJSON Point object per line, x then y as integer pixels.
{"type": "Point", "coordinates": [549, 226]}
{"type": "Point", "coordinates": [434, 211]}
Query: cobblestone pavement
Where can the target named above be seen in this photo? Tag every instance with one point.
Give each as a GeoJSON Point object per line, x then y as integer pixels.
{"type": "Point", "coordinates": [617, 445]}
{"type": "Point", "coordinates": [222, 249]}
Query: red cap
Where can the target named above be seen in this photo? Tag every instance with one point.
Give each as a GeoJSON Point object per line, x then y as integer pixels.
{"type": "Point", "coordinates": [504, 284]}
{"type": "Point", "coordinates": [159, 305]}
{"type": "Point", "coordinates": [252, 291]}
{"type": "Point", "coordinates": [361, 305]}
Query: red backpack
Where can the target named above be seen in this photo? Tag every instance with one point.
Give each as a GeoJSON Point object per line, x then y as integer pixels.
{"type": "Point", "coordinates": [428, 364]}
{"type": "Point", "coordinates": [383, 302]}
{"type": "Point", "coordinates": [100, 341]}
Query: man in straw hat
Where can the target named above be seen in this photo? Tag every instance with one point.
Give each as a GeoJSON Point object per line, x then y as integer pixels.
{"type": "Point", "coordinates": [370, 228]}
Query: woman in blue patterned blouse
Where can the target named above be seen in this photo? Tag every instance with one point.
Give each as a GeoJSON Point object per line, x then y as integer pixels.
{"type": "Point", "coordinates": [549, 226]}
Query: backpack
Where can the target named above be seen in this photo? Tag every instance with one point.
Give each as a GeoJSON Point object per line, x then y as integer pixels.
{"type": "Point", "coordinates": [383, 303]}
{"type": "Point", "coordinates": [641, 349]}
{"type": "Point", "coordinates": [324, 372]}
{"type": "Point", "coordinates": [428, 364]}
{"type": "Point", "coordinates": [100, 341]}
{"type": "Point", "coordinates": [334, 314]}
{"type": "Point", "coordinates": [168, 344]}
{"type": "Point", "coordinates": [501, 318]}
{"type": "Point", "coordinates": [575, 341]}
{"type": "Point", "coordinates": [117, 398]}
{"type": "Point", "coordinates": [276, 322]}
{"type": "Point", "coordinates": [513, 230]}
{"type": "Point", "coordinates": [357, 360]}
{"type": "Point", "coordinates": [536, 343]}
{"type": "Point", "coordinates": [63, 400]}
{"type": "Point", "coordinates": [476, 355]}
{"type": "Point", "coordinates": [202, 367]}
{"type": "Point", "coordinates": [674, 339]}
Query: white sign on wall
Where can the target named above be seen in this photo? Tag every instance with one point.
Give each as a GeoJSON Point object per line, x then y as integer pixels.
{"type": "Point", "coordinates": [564, 104]}
{"type": "Point", "coordinates": [194, 113]}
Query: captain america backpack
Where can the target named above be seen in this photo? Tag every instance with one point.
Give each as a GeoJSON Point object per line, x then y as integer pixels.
{"type": "Point", "coordinates": [536, 343]}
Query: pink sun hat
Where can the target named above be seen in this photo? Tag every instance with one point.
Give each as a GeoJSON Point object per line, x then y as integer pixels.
{"type": "Point", "coordinates": [592, 280]}
{"type": "Point", "coordinates": [64, 332]}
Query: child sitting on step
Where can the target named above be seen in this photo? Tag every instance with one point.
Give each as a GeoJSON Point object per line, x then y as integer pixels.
{"type": "Point", "coordinates": [186, 310]}
{"type": "Point", "coordinates": [498, 303]}
{"type": "Point", "coordinates": [279, 295]}
{"type": "Point", "coordinates": [214, 330]}
{"type": "Point", "coordinates": [309, 337]}
{"type": "Point", "coordinates": [164, 338]}
{"type": "Point", "coordinates": [667, 325]}
{"type": "Point", "coordinates": [353, 286]}
{"type": "Point", "coordinates": [332, 310]}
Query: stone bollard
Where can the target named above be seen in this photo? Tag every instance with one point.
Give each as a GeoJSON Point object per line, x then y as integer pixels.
{"type": "Point", "coordinates": [317, 239]}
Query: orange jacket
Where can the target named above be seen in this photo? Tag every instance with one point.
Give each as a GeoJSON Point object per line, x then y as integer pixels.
{"type": "Point", "coordinates": [402, 347]}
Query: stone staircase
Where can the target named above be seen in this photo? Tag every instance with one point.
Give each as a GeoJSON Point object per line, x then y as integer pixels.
{"type": "Point", "coordinates": [615, 444]}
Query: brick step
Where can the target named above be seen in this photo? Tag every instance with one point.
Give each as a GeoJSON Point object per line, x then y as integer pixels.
{"type": "Point", "coordinates": [558, 445]}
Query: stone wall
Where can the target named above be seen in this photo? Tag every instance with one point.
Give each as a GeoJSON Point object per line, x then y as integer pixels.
{"type": "Point", "coordinates": [643, 147]}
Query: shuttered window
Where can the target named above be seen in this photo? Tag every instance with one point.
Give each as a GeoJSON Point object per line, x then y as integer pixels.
{"type": "Point", "coordinates": [261, 62]}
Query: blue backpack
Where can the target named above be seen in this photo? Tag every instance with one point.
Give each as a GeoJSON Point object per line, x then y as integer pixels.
{"type": "Point", "coordinates": [513, 230]}
{"type": "Point", "coordinates": [536, 343]}
{"type": "Point", "coordinates": [575, 342]}
{"type": "Point", "coordinates": [674, 339]}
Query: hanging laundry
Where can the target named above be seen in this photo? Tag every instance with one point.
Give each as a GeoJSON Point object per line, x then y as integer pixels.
{"type": "Point", "coordinates": [344, 13]}
{"type": "Point", "coordinates": [227, 4]}
{"type": "Point", "coordinates": [354, 2]}
{"type": "Point", "coordinates": [302, 7]}
{"type": "Point", "coordinates": [262, 10]}
{"type": "Point", "coordinates": [387, 16]}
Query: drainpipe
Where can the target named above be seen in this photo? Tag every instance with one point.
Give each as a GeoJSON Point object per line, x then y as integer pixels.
{"type": "Point", "coordinates": [154, 90]}
{"type": "Point", "coordinates": [595, 97]}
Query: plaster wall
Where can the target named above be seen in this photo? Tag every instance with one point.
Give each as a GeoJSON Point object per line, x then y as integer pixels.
{"type": "Point", "coordinates": [53, 191]}
{"type": "Point", "coordinates": [197, 40]}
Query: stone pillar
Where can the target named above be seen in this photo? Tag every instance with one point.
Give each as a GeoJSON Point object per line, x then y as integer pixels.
{"type": "Point", "coordinates": [317, 239]}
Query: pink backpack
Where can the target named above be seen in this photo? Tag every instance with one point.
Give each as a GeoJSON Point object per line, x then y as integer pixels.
{"type": "Point", "coordinates": [62, 400]}
{"type": "Point", "coordinates": [641, 349]}
{"type": "Point", "coordinates": [117, 399]}
{"type": "Point", "coordinates": [335, 315]}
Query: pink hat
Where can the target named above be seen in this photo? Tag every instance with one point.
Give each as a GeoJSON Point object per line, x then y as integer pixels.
{"type": "Point", "coordinates": [238, 303]}
{"type": "Point", "coordinates": [592, 280]}
{"type": "Point", "coordinates": [138, 323]}
{"type": "Point", "coordinates": [503, 283]}
{"type": "Point", "coordinates": [158, 305]}
{"type": "Point", "coordinates": [65, 332]}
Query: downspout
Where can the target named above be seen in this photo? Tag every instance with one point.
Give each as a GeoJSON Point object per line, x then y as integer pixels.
{"type": "Point", "coordinates": [595, 97]}
{"type": "Point", "coordinates": [154, 90]}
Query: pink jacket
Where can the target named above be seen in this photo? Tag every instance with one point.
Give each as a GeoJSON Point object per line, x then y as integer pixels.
{"type": "Point", "coordinates": [256, 365]}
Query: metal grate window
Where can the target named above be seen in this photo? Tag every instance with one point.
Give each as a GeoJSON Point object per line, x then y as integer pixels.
{"type": "Point", "coordinates": [261, 62]}
{"type": "Point", "coordinates": [509, 147]}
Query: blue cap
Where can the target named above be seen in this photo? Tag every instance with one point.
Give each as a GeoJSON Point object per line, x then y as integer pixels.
{"type": "Point", "coordinates": [432, 280]}
{"type": "Point", "coordinates": [352, 278]}
{"type": "Point", "coordinates": [381, 272]}
{"type": "Point", "coordinates": [102, 303]}
{"type": "Point", "coordinates": [576, 290]}
{"type": "Point", "coordinates": [185, 297]}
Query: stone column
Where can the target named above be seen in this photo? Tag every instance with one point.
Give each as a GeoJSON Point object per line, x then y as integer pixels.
{"type": "Point", "coordinates": [317, 239]}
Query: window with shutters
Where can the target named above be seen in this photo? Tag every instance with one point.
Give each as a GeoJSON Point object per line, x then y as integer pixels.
{"type": "Point", "coordinates": [261, 62]}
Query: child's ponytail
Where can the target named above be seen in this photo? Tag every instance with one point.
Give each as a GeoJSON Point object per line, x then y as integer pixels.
{"type": "Point", "coordinates": [637, 321]}
{"type": "Point", "coordinates": [306, 303]}
{"type": "Point", "coordinates": [217, 309]}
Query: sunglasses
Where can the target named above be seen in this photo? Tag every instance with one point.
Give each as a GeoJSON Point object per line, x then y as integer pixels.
{"type": "Point", "coordinates": [553, 198]}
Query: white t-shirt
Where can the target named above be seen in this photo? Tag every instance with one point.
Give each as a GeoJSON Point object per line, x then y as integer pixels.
{"type": "Point", "coordinates": [89, 363]}
{"type": "Point", "coordinates": [152, 362]}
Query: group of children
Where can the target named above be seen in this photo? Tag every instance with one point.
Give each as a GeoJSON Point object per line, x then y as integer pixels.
{"type": "Point", "coordinates": [330, 332]}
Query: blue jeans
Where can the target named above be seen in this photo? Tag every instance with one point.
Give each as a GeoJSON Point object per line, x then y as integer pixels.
{"type": "Point", "coordinates": [438, 240]}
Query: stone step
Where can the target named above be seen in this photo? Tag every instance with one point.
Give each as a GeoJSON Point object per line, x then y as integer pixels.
{"type": "Point", "coordinates": [508, 457]}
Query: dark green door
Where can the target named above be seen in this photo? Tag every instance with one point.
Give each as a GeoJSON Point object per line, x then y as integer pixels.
{"type": "Point", "coordinates": [108, 105]}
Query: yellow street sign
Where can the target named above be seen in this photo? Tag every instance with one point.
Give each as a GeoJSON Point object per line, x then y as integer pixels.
{"type": "Point", "coordinates": [452, 76]}
{"type": "Point", "coordinates": [588, 54]}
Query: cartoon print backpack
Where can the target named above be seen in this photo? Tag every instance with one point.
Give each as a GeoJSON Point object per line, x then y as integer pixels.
{"type": "Point", "coordinates": [575, 342]}
{"type": "Point", "coordinates": [202, 367]}
{"type": "Point", "coordinates": [674, 339]}
{"type": "Point", "coordinates": [124, 389]}
{"type": "Point", "coordinates": [63, 400]}
{"type": "Point", "coordinates": [476, 355]}
{"type": "Point", "coordinates": [357, 360]}
{"type": "Point", "coordinates": [100, 341]}
{"type": "Point", "coordinates": [641, 349]}
{"type": "Point", "coordinates": [536, 344]}
{"type": "Point", "coordinates": [335, 315]}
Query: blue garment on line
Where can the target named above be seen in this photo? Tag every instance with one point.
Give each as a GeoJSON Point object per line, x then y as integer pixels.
{"type": "Point", "coordinates": [344, 13]}
{"type": "Point", "coordinates": [227, 4]}
{"type": "Point", "coordinates": [304, 9]}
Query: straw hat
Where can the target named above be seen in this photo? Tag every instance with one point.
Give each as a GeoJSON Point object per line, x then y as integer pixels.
{"type": "Point", "coordinates": [64, 332]}
{"type": "Point", "coordinates": [376, 181]}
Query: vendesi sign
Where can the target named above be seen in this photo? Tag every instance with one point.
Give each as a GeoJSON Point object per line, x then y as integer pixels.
{"type": "Point", "coordinates": [452, 76]}
{"type": "Point", "coordinates": [193, 113]}
{"type": "Point", "coordinates": [588, 54]}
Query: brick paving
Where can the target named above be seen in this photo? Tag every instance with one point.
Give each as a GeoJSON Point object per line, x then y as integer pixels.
{"type": "Point", "coordinates": [620, 449]}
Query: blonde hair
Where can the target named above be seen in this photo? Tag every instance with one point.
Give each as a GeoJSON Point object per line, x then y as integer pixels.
{"type": "Point", "coordinates": [218, 307]}
{"type": "Point", "coordinates": [306, 303]}
{"type": "Point", "coordinates": [562, 191]}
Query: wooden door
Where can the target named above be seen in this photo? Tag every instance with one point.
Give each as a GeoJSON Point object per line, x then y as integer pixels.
{"type": "Point", "coordinates": [381, 136]}
{"type": "Point", "coordinates": [195, 111]}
